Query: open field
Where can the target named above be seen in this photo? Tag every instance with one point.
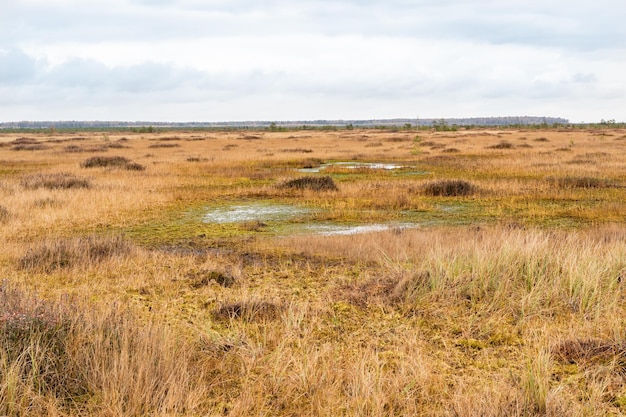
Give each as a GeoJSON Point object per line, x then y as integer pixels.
{"type": "Point", "coordinates": [348, 272]}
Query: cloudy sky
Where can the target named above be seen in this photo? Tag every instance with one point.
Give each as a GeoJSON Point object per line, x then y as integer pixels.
{"type": "Point", "coordinates": [218, 60]}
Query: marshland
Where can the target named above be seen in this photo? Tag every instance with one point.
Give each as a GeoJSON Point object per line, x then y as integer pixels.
{"type": "Point", "coordinates": [373, 272]}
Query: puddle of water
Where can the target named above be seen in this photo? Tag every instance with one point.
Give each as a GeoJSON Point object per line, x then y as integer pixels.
{"type": "Point", "coordinates": [339, 230]}
{"type": "Point", "coordinates": [450, 208]}
{"type": "Point", "coordinates": [253, 212]}
{"type": "Point", "coordinates": [353, 165]}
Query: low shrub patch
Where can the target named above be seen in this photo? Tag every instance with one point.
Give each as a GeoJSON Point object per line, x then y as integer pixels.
{"type": "Point", "coordinates": [60, 180]}
{"type": "Point", "coordinates": [325, 183]}
{"type": "Point", "coordinates": [501, 145]}
{"type": "Point", "coordinates": [164, 145]}
{"type": "Point", "coordinates": [112, 162]}
{"type": "Point", "coordinates": [449, 188]}
{"type": "Point", "coordinates": [4, 214]}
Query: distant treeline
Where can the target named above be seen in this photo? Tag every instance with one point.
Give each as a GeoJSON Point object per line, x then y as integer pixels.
{"type": "Point", "coordinates": [405, 123]}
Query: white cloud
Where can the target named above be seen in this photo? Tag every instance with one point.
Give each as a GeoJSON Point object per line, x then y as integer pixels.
{"type": "Point", "coordinates": [178, 59]}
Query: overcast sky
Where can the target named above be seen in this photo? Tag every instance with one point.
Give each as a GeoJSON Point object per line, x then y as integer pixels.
{"type": "Point", "coordinates": [219, 60]}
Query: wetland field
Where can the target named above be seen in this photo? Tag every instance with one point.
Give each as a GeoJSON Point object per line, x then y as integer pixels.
{"type": "Point", "coordinates": [313, 273]}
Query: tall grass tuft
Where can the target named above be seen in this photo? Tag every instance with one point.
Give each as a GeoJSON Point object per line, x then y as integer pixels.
{"type": "Point", "coordinates": [91, 362]}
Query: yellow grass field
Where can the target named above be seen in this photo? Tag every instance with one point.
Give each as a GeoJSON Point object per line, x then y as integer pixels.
{"type": "Point", "coordinates": [313, 272]}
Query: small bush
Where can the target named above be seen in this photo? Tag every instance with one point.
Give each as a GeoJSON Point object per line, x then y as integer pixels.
{"type": "Point", "coordinates": [296, 150]}
{"type": "Point", "coordinates": [203, 278]}
{"type": "Point", "coordinates": [541, 140]}
{"type": "Point", "coordinates": [70, 253]}
{"type": "Point", "coordinates": [24, 140]}
{"type": "Point", "coordinates": [164, 145]}
{"type": "Point", "coordinates": [502, 145]}
{"type": "Point", "coordinates": [196, 159]}
{"type": "Point", "coordinates": [449, 188]}
{"type": "Point", "coordinates": [589, 350]}
{"type": "Point", "coordinates": [27, 147]}
{"type": "Point", "coordinates": [112, 162]}
{"type": "Point", "coordinates": [60, 180]}
{"type": "Point", "coordinates": [450, 150]}
{"type": "Point", "coordinates": [116, 145]}
{"type": "Point", "coordinates": [311, 163]}
{"type": "Point", "coordinates": [325, 183]}
{"type": "Point", "coordinates": [81, 149]}
{"type": "Point", "coordinates": [4, 214]}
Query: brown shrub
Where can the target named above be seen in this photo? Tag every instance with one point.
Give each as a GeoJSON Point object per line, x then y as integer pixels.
{"type": "Point", "coordinates": [450, 150]}
{"type": "Point", "coordinates": [203, 278]}
{"type": "Point", "coordinates": [112, 162]}
{"type": "Point", "coordinates": [164, 145]}
{"type": "Point", "coordinates": [502, 145]}
{"type": "Point", "coordinates": [297, 150]}
{"type": "Point", "coordinates": [325, 183]}
{"type": "Point", "coordinates": [449, 188]}
{"type": "Point", "coordinates": [27, 147]}
{"type": "Point", "coordinates": [590, 351]}
{"type": "Point", "coordinates": [4, 214]}
{"type": "Point", "coordinates": [60, 180]}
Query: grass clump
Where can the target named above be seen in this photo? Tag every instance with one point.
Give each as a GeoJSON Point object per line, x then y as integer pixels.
{"type": "Point", "coordinates": [4, 214]}
{"type": "Point", "coordinates": [449, 188]}
{"type": "Point", "coordinates": [30, 147]}
{"type": "Point", "coordinates": [112, 162]}
{"type": "Point", "coordinates": [324, 183]}
{"type": "Point", "coordinates": [77, 361]}
{"type": "Point", "coordinates": [164, 145]}
{"type": "Point", "coordinates": [502, 145]}
{"type": "Point", "coordinates": [60, 180]}
{"type": "Point", "coordinates": [204, 278]}
{"type": "Point", "coordinates": [71, 253]}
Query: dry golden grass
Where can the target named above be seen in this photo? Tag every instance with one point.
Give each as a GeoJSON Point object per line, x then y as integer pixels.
{"type": "Point", "coordinates": [117, 300]}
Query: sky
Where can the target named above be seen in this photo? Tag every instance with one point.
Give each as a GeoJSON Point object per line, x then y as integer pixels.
{"type": "Point", "coordinates": [237, 60]}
